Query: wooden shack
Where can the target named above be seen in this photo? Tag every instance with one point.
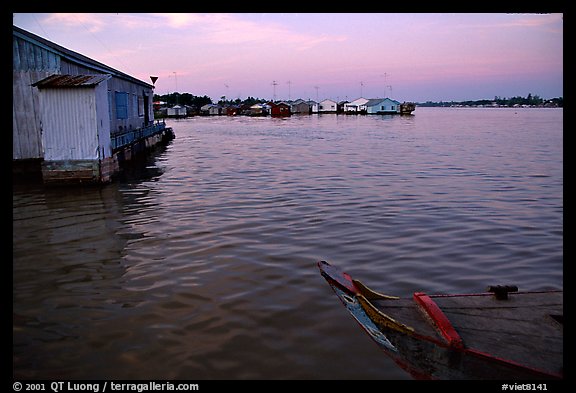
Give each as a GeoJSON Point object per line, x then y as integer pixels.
{"type": "Point", "coordinates": [278, 109]}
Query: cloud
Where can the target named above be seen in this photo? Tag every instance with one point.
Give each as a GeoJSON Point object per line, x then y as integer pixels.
{"type": "Point", "coordinates": [90, 22]}
{"type": "Point", "coordinates": [232, 29]}
{"type": "Point", "coordinates": [548, 21]}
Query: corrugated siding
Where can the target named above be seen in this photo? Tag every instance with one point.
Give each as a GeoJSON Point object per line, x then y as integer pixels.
{"type": "Point", "coordinates": [103, 120]}
{"type": "Point", "coordinates": [69, 124]}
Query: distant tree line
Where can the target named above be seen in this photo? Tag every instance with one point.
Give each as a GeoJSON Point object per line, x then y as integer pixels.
{"type": "Point", "coordinates": [172, 99]}
{"type": "Point", "coordinates": [530, 100]}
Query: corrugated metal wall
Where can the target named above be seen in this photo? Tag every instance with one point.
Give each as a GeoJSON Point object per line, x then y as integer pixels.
{"type": "Point", "coordinates": [103, 120]}
{"type": "Point", "coordinates": [69, 124]}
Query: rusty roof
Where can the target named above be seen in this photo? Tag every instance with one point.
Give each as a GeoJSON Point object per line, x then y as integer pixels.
{"type": "Point", "coordinates": [61, 81]}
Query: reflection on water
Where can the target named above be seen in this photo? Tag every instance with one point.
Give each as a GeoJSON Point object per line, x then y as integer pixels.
{"type": "Point", "coordinates": [200, 262]}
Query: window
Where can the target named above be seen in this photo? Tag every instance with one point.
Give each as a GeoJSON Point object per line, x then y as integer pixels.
{"type": "Point", "coordinates": [121, 105]}
{"type": "Point", "coordinates": [134, 109]}
{"type": "Point", "coordinates": [140, 106]}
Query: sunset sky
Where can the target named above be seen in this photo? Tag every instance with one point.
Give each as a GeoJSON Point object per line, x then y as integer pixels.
{"type": "Point", "coordinates": [408, 57]}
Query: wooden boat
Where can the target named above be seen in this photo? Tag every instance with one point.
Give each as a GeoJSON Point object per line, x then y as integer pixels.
{"type": "Point", "coordinates": [406, 108]}
{"type": "Point", "coordinates": [500, 334]}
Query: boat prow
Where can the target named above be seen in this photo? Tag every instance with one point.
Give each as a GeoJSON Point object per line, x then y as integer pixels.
{"type": "Point", "coordinates": [502, 334]}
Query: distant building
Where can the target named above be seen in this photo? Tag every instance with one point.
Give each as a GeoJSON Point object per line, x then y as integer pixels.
{"type": "Point", "coordinates": [381, 106]}
{"type": "Point", "coordinates": [313, 106]}
{"type": "Point", "coordinates": [211, 109]}
{"type": "Point", "coordinates": [177, 111]}
{"type": "Point", "coordinates": [300, 106]}
{"type": "Point", "coordinates": [327, 106]}
{"type": "Point", "coordinates": [341, 106]}
{"type": "Point", "coordinates": [279, 109]}
{"type": "Point", "coordinates": [259, 109]}
{"type": "Point", "coordinates": [354, 106]}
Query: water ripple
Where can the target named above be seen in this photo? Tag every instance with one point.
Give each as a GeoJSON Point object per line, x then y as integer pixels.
{"type": "Point", "coordinates": [202, 263]}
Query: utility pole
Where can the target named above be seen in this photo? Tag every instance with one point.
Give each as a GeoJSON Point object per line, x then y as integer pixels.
{"type": "Point", "coordinates": [316, 87]}
{"type": "Point", "coordinates": [274, 84]}
{"type": "Point", "coordinates": [385, 75]}
{"type": "Point", "coordinates": [176, 86]}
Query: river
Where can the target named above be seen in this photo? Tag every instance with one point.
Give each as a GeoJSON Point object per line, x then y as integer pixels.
{"type": "Point", "coordinates": [200, 261]}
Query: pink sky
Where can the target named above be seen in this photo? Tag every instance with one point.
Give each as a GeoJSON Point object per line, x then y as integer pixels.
{"type": "Point", "coordinates": [412, 57]}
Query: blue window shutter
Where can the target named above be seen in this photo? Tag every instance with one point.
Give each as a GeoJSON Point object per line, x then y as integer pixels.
{"type": "Point", "coordinates": [121, 105]}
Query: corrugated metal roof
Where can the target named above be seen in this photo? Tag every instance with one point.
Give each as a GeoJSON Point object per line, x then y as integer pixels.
{"type": "Point", "coordinates": [60, 81]}
{"type": "Point", "coordinates": [374, 101]}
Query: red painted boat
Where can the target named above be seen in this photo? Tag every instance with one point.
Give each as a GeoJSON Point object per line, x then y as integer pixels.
{"type": "Point", "coordinates": [499, 334]}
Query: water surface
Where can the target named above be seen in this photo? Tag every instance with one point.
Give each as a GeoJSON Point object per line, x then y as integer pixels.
{"type": "Point", "coordinates": [200, 263]}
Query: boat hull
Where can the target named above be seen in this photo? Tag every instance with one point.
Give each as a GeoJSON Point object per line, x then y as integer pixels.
{"type": "Point", "coordinates": [416, 342]}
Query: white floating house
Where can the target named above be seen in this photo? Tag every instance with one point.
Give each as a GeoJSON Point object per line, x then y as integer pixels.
{"type": "Point", "coordinates": [177, 111]}
{"type": "Point", "coordinates": [354, 106]}
{"type": "Point", "coordinates": [327, 106]}
{"type": "Point", "coordinates": [313, 106]}
{"type": "Point", "coordinates": [381, 106]}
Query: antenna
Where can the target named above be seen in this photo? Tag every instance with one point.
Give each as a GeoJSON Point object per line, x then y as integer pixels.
{"type": "Point", "coordinates": [274, 84]}
{"type": "Point", "coordinates": [361, 87]}
{"type": "Point", "coordinates": [289, 90]}
{"type": "Point", "coordinates": [316, 87]}
{"type": "Point", "coordinates": [385, 86]}
{"type": "Point", "coordinates": [176, 86]}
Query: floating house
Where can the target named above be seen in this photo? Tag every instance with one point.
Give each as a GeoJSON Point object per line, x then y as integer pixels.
{"type": "Point", "coordinates": [354, 106]}
{"type": "Point", "coordinates": [259, 109]}
{"type": "Point", "coordinates": [313, 106]}
{"type": "Point", "coordinates": [300, 106]}
{"type": "Point", "coordinates": [211, 109]}
{"type": "Point", "coordinates": [327, 106]}
{"type": "Point", "coordinates": [76, 119]}
{"type": "Point", "coordinates": [381, 106]}
{"type": "Point", "coordinates": [177, 111]}
{"type": "Point", "coordinates": [279, 109]}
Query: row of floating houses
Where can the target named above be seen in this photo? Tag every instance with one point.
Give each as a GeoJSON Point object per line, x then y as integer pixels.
{"type": "Point", "coordinates": [379, 106]}
{"type": "Point", "coordinates": [76, 120]}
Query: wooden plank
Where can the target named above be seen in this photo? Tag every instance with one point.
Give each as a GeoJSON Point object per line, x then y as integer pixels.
{"type": "Point", "coordinates": [438, 319]}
